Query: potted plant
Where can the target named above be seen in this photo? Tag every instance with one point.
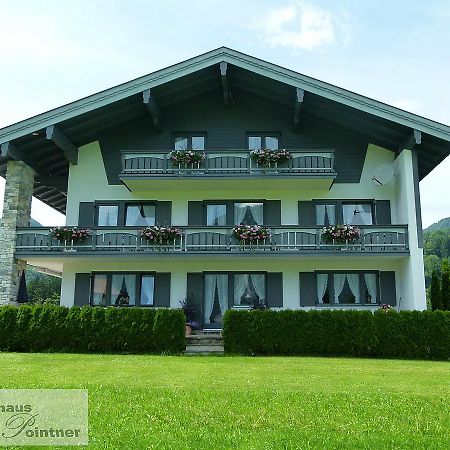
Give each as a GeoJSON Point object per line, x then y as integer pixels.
{"type": "Point", "coordinates": [161, 235]}
{"type": "Point", "coordinates": [73, 235]}
{"type": "Point", "coordinates": [187, 157]}
{"type": "Point", "coordinates": [266, 158]}
{"type": "Point", "coordinates": [190, 311]}
{"type": "Point", "coordinates": [251, 234]}
{"type": "Point", "coordinates": [341, 234]}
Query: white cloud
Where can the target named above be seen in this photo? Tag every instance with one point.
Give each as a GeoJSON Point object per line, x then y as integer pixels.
{"type": "Point", "coordinates": [300, 25]}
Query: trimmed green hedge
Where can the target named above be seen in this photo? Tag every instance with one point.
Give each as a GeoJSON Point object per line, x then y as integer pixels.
{"type": "Point", "coordinates": [44, 328]}
{"type": "Point", "coordinates": [405, 334]}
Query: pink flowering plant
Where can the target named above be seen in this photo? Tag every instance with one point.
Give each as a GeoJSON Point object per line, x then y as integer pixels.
{"type": "Point", "coordinates": [385, 307]}
{"type": "Point", "coordinates": [248, 234]}
{"type": "Point", "coordinates": [341, 234]}
{"type": "Point", "coordinates": [266, 157]}
{"type": "Point", "coordinates": [161, 235]}
{"type": "Point", "coordinates": [70, 234]}
{"type": "Point", "coordinates": [188, 156]}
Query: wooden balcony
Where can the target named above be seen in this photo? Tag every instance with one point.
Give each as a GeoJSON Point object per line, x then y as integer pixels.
{"type": "Point", "coordinates": [145, 170]}
{"type": "Point", "coordinates": [289, 240]}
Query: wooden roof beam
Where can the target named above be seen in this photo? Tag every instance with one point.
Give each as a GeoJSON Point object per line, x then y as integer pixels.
{"type": "Point", "coordinates": [11, 150]}
{"type": "Point", "coordinates": [225, 87]}
{"type": "Point", "coordinates": [150, 103]}
{"type": "Point", "coordinates": [54, 134]}
{"type": "Point", "coordinates": [55, 181]}
{"type": "Point", "coordinates": [414, 138]}
{"type": "Point", "coordinates": [299, 96]}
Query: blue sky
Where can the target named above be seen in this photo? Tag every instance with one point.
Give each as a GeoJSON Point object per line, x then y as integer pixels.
{"type": "Point", "coordinates": [53, 52]}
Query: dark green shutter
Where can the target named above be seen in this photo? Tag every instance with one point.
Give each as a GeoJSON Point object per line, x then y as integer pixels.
{"type": "Point", "coordinates": [86, 214]}
{"type": "Point", "coordinates": [195, 293]}
{"type": "Point", "coordinates": [162, 290]}
{"type": "Point", "coordinates": [306, 214]}
{"type": "Point", "coordinates": [82, 294]}
{"type": "Point", "coordinates": [195, 213]}
{"type": "Point", "coordinates": [275, 289]}
{"type": "Point", "coordinates": [273, 213]}
{"type": "Point", "coordinates": [308, 289]}
{"type": "Point", "coordinates": [163, 213]}
{"type": "Point", "coordinates": [387, 288]}
{"type": "Point", "coordinates": [121, 212]}
{"type": "Point", "coordinates": [383, 212]}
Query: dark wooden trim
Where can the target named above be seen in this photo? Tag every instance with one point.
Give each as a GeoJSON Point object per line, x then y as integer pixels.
{"type": "Point", "coordinates": [150, 103]}
{"type": "Point", "coordinates": [70, 150]}
{"type": "Point", "coordinates": [299, 96]}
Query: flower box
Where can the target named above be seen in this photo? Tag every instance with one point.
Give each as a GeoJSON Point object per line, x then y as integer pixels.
{"type": "Point", "coordinates": [341, 234]}
{"type": "Point", "coordinates": [186, 157]}
{"type": "Point", "coordinates": [161, 235]}
{"type": "Point", "coordinates": [251, 234]}
{"type": "Point", "coordinates": [267, 158]}
{"type": "Point", "coordinates": [71, 235]}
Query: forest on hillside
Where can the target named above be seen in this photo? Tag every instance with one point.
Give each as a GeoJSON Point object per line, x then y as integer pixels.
{"type": "Point", "coordinates": [436, 247]}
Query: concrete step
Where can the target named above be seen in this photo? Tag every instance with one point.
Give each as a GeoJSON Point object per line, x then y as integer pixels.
{"type": "Point", "coordinates": [204, 342]}
{"type": "Point", "coordinates": [207, 349]}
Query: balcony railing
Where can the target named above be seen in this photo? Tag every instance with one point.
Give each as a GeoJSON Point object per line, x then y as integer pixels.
{"type": "Point", "coordinates": [230, 162]}
{"type": "Point", "coordinates": [288, 239]}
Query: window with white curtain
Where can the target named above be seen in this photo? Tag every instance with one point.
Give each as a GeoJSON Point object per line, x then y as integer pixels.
{"type": "Point", "coordinates": [215, 298]}
{"type": "Point", "coordinates": [326, 215]}
{"type": "Point", "coordinates": [123, 289]}
{"type": "Point", "coordinates": [357, 213]}
{"type": "Point", "coordinates": [107, 215]}
{"type": "Point", "coordinates": [347, 288]}
{"type": "Point", "coordinates": [249, 289]}
{"type": "Point", "coordinates": [140, 215]}
{"type": "Point", "coordinates": [216, 215]}
{"type": "Point", "coordinates": [248, 213]}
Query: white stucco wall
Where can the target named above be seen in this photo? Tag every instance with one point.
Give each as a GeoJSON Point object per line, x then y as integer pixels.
{"type": "Point", "coordinates": [88, 182]}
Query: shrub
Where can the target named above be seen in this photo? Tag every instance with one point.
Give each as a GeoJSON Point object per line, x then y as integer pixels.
{"type": "Point", "coordinates": [42, 328]}
{"type": "Point", "coordinates": [384, 334]}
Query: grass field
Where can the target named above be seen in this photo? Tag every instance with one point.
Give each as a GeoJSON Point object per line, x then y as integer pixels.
{"type": "Point", "coordinates": [140, 402]}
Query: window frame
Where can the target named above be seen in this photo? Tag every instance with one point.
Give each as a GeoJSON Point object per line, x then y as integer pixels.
{"type": "Point", "coordinates": [138, 285]}
{"type": "Point", "coordinates": [189, 135]}
{"type": "Point", "coordinates": [230, 210]}
{"type": "Point", "coordinates": [263, 135]}
{"type": "Point", "coordinates": [107, 203]}
{"type": "Point", "coordinates": [330, 286]}
{"type": "Point", "coordinates": [339, 208]}
{"type": "Point", "coordinates": [138, 203]}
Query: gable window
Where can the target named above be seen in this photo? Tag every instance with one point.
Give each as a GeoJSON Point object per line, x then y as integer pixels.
{"type": "Point", "coordinates": [140, 215]}
{"type": "Point", "coordinates": [216, 215]}
{"type": "Point", "coordinates": [357, 213]}
{"type": "Point", "coordinates": [122, 289]}
{"type": "Point", "coordinates": [255, 142]}
{"type": "Point", "coordinates": [107, 215]}
{"type": "Point", "coordinates": [347, 288]}
{"type": "Point", "coordinates": [189, 141]}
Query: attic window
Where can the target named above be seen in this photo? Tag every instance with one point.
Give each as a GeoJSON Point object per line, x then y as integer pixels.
{"type": "Point", "coordinates": [191, 141]}
{"type": "Point", "coordinates": [270, 142]}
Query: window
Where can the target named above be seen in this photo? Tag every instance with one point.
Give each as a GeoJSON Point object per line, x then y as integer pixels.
{"type": "Point", "coordinates": [122, 289]}
{"type": "Point", "coordinates": [249, 289]}
{"type": "Point", "coordinates": [357, 213]}
{"type": "Point", "coordinates": [347, 288]}
{"type": "Point", "coordinates": [140, 215]}
{"type": "Point", "coordinates": [269, 142]}
{"type": "Point", "coordinates": [248, 213]}
{"type": "Point", "coordinates": [107, 215]}
{"type": "Point", "coordinates": [189, 141]}
{"type": "Point", "coordinates": [326, 215]}
{"type": "Point", "coordinates": [216, 215]}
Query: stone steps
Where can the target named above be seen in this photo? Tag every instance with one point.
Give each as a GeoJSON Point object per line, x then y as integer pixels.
{"type": "Point", "coordinates": [204, 344]}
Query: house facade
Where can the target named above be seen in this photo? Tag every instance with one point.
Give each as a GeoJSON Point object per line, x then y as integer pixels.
{"type": "Point", "coordinates": [108, 163]}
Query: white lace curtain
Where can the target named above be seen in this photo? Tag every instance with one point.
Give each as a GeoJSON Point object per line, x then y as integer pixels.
{"type": "Point", "coordinates": [99, 290]}
{"type": "Point", "coordinates": [357, 214]}
{"type": "Point", "coordinates": [211, 282]}
{"type": "Point", "coordinates": [322, 283]}
{"type": "Point", "coordinates": [140, 215]}
{"type": "Point", "coordinates": [241, 282]}
{"type": "Point", "coordinates": [122, 285]}
{"type": "Point", "coordinates": [353, 283]}
{"type": "Point", "coordinates": [216, 215]}
{"type": "Point", "coordinates": [325, 214]}
{"type": "Point", "coordinates": [252, 211]}
{"type": "Point", "coordinates": [371, 284]}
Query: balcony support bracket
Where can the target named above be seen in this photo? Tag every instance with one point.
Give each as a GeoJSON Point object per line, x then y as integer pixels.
{"type": "Point", "coordinates": [299, 96]}
{"type": "Point", "coordinates": [150, 103]}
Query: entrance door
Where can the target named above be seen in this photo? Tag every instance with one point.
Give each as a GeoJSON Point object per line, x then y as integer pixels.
{"type": "Point", "coordinates": [215, 300]}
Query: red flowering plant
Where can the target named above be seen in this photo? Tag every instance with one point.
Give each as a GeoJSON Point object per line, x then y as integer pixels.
{"type": "Point", "coordinates": [385, 307]}
{"type": "Point", "coordinates": [70, 234]}
{"type": "Point", "coordinates": [161, 235]}
{"type": "Point", "coordinates": [249, 234]}
{"type": "Point", "coordinates": [187, 156]}
{"type": "Point", "coordinates": [266, 157]}
{"type": "Point", "coordinates": [341, 234]}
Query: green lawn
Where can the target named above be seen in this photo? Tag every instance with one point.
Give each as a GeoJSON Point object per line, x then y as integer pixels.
{"type": "Point", "coordinates": [139, 402]}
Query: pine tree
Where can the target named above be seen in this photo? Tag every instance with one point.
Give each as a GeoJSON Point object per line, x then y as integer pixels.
{"type": "Point", "coordinates": [435, 292]}
{"type": "Point", "coordinates": [445, 285]}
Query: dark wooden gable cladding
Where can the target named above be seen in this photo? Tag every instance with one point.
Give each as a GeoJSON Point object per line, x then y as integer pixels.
{"type": "Point", "coordinates": [227, 129]}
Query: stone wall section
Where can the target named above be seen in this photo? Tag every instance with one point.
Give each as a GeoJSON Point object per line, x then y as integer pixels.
{"type": "Point", "coordinates": [16, 213]}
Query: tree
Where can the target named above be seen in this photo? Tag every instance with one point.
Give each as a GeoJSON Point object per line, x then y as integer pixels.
{"type": "Point", "coordinates": [435, 292]}
{"type": "Point", "coordinates": [445, 285]}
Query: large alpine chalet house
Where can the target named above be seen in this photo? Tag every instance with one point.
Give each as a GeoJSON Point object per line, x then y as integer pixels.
{"type": "Point", "coordinates": [226, 180]}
